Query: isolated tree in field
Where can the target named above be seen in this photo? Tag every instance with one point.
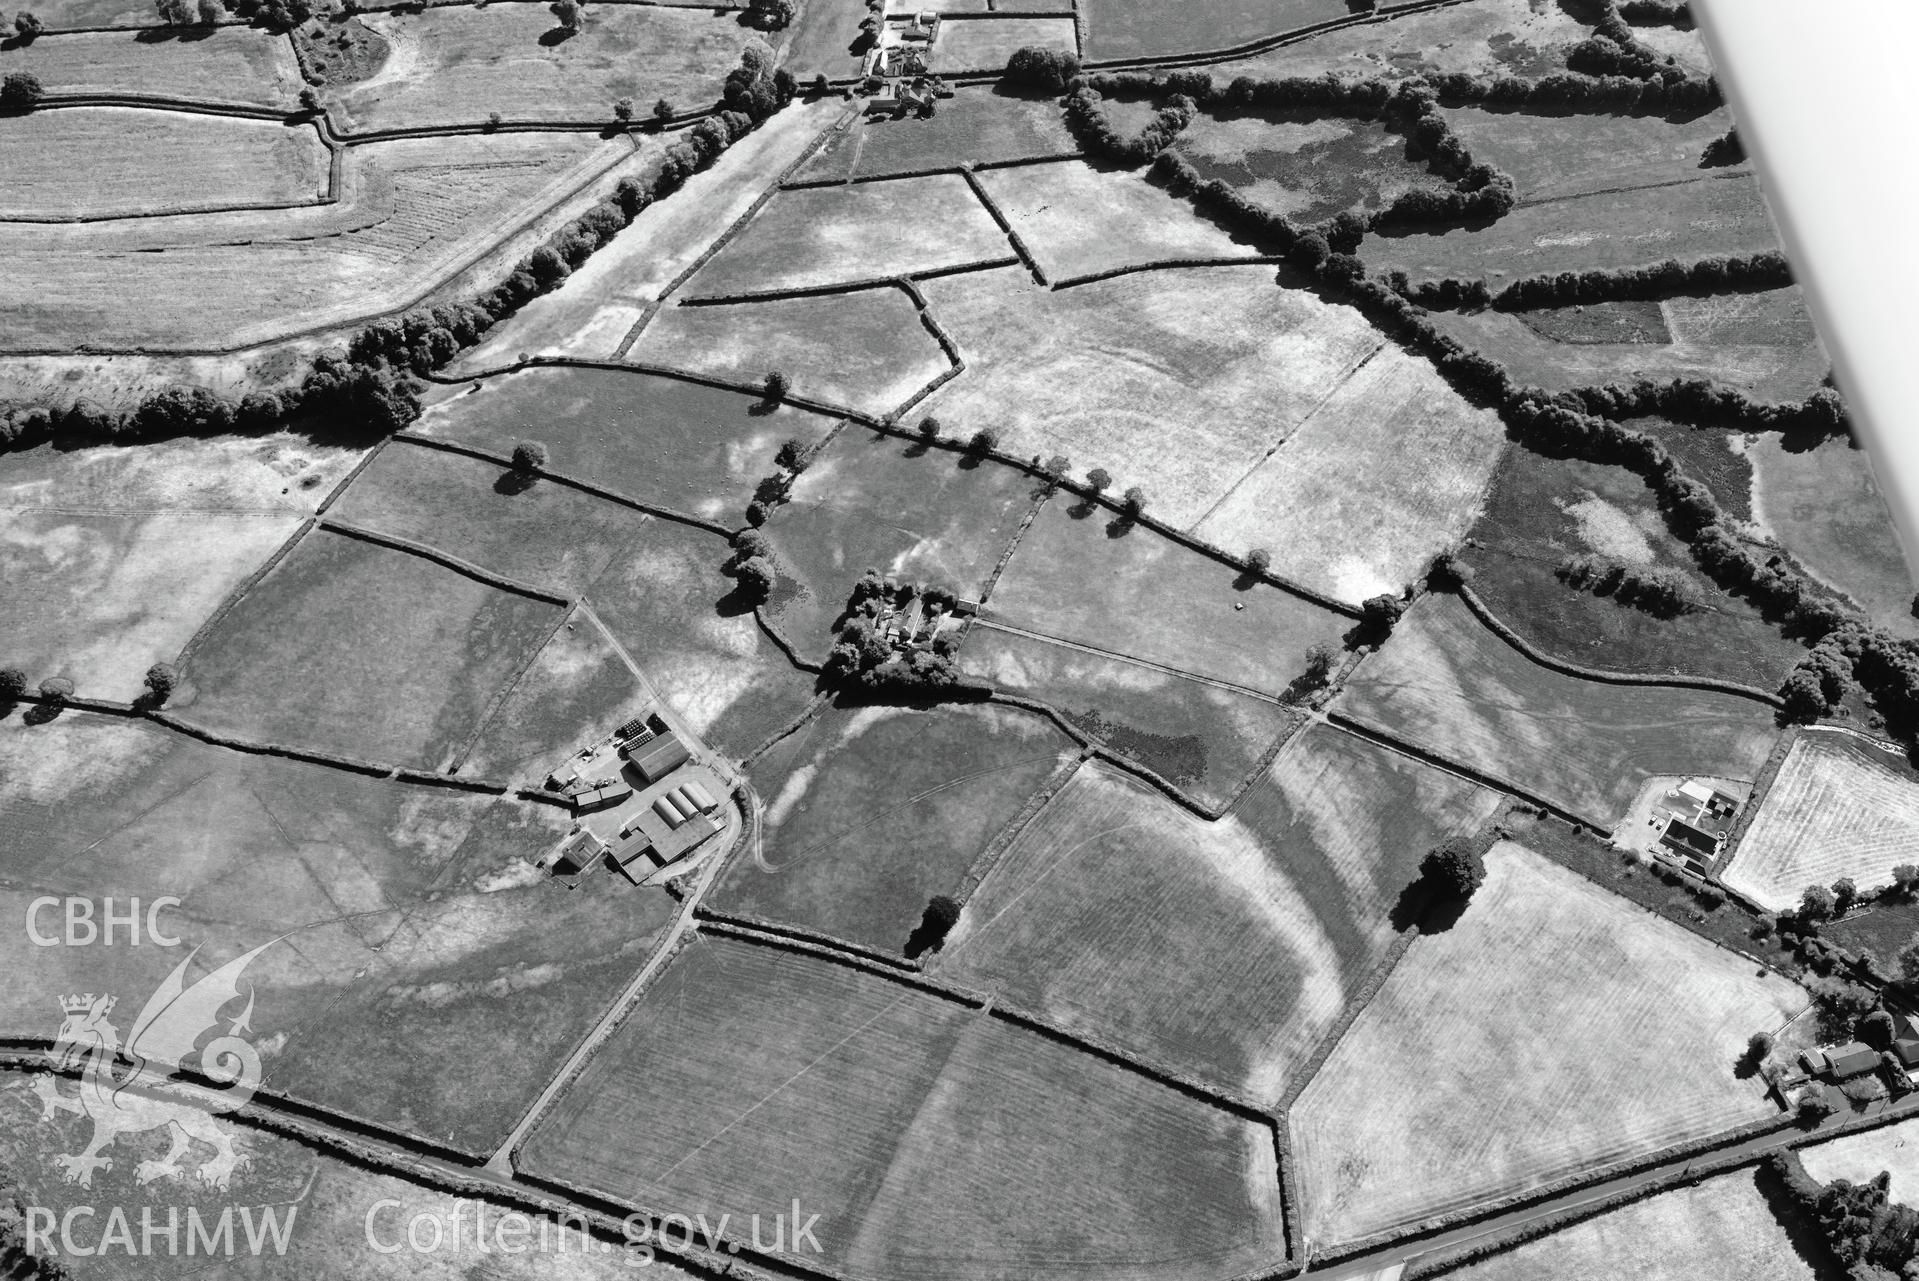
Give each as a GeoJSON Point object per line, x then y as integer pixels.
{"type": "Point", "coordinates": [756, 577]}
{"type": "Point", "coordinates": [568, 12]}
{"type": "Point", "coordinates": [19, 91]}
{"type": "Point", "coordinates": [775, 387]}
{"type": "Point", "coordinates": [1099, 480]}
{"type": "Point", "coordinates": [1258, 561]}
{"type": "Point", "coordinates": [1133, 502]}
{"type": "Point", "coordinates": [1816, 903]}
{"type": "Point", "coordinates": [821, 86]}
{"type": "Point", "coordinates": [929, 428]}
{"type": "Point", "coordinates": [1380, 612]}
{"type": "Point", "coordinates": [1454, 869]}
{"type": "Point", "coordinates": [663, 111]}
{"type": "Point", "coordinates": [56, 690]}
{"type": "Point", "coordinates": [1758, 1046]}
{"type": "Point", "coordinates": [492, 120]}
{"type": "Point", "coordinates": [792, 455]}
{"type": "Point", "coordinates": [623, 111]}
{"type": "Point", "coordinates": [1844, 894]}
{"type": "Point", "coordinates": [160, 680]}
{"type": "Point", "coordinates": [529, 456]}
{"type": "Point", "coordinates": [941, 915]}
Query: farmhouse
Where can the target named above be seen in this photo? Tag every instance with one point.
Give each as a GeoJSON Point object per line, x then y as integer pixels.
{"type": "Point", "coordinates": [1841, 1063]}
{"type": "Point", "coordinates": [1694, 818]}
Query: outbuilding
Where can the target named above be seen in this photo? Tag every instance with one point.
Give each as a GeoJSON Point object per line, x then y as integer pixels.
{"type": "Point", "coordinates": [659, 756]}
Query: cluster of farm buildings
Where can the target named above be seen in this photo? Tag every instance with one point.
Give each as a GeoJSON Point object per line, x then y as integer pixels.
{"type": "Point", "coordinates": [1693, 819]}
{"type": "Point", "coordinates": [643, 802]}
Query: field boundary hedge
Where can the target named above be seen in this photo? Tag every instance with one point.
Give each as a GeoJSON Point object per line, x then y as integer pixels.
{"type": "Point", "coordinates": [1233, 53]}
{"type": "Point", "coordinates": [304, 755]}
{"type": "Point", "coordinates": [1761, 788]}
{"type": "Point", "coordinates": [1169, 264]}
{"type": "Point", "coordinates": [902, 280]}
{"type": "Point", "coordinates": [840, 956]}
{"type": "Point", "coordinates": [1012, 236]}
{"type": "Point", "coordinates": [786, 647]}
{"type": "Point", "coordinates": [1709, 684]}
{"type": "Point", "coordinates": [492, 709]}
{"type": "Point", "coordinates": [792, 727]}
{"type": "Point", "coordinates": [244, 586]}
{"type": "Point", "coordinates": [994, 851]}
{"type": "Point", "coordinates": [801, 934]}
{"type": "Point", "coordinates": [1392, 742]}
{"type": "Point", "coordinates": [446, 560]}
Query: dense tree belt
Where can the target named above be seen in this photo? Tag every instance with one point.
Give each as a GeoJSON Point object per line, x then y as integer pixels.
{"type": "Point", "coordinates": [1716, 274]}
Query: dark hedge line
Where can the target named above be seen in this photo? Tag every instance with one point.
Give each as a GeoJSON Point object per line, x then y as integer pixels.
{"type": "Point", "coordinates": [1656, 13]}
{"type": "Point", "coordinates": [1574, 92]}
{"type": "Point", "coordinates": [1754, 272]}
{"type": "Point", "coordinates": [1614, 49]}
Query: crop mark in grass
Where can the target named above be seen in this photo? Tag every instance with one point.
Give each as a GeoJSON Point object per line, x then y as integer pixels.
{"type": "Point", "coordinates": [975, 931]}
{"type": "Point", "coordinates": [1216, 683]}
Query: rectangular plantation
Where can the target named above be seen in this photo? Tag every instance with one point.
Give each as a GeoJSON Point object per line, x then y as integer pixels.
{"type": "Point", "coordinates": [1540, 1035]}
{"type": "Point", "coordinates": [1446, 684]}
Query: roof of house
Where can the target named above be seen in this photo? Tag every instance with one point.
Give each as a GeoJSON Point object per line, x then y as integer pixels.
{"type": "Point", "coordinates": [1684, 836]}
{"type": "Point", "coordinates": [1852, 1059]}
{"type": "Point", "coordinates": [1697, 791]}
{"type": "Point", "coordinates": [1908, 1051]}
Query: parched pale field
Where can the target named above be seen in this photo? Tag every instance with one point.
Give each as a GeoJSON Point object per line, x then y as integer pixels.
{"type": "Point", "coordinates": [1719, 1230]}
{"type": "Point", "coordinates": [414, 925]}
{"type": "Point", "coordinates": [1890, 1149]}
{"type": "Point", "coordinates": [98, 162]}
{"type": "Point", "coordinates": [1446, 683]}
{"type": "Point", "coordinates": [455, 65]}
{"type": "Point", "coordinates": [230, 64]}
{"type": "Point", "coordinates": [1202, 738]}
{"type": "Point", "coordinates": [272, 475]}
{"type": "Point", "coordinates": [871, 812]}
{"type": "Point", "coordinates": [864, 350]}
{"type": "Point", "coordinates": [1487, 37]}
{"type": "Point", "coordinates": [1775, 317]}
{"type": "Point", "coordinates": [928, 1140]}
{"type": "Point", "coordinates": [593, 311]}
{"type": "Point", "coordinates": [100, 597]}
{"type": "Point", "coordinates": [1603, 230]}
{"type": "Point", "coordinates": [1077, 577]}
{"type": "Point", "coordinates": [1540, 1035]}
{"type": "Point", "coordinates": [413, 215]}
{"type": "Point", "coordinates": [1826, 507]}
{"type": "Point", "coordinates": [1140, 28]}
{"type": "Point", "coordinates": [1225, 950]}
{"type": "Point", "coordinates": [1077, 220]}
{"type": "Point", "coordinates": [1392, 468]}
{"type": "Point", "coordinates": [835, 235]}
{"type": "Point", "coordinates": [356, 649]}
{"type": "Point", "coordinates": [1551, 157]}
{"type": "Point", "coordinates": [984, 44]}
{"type": "Point", "coordinates": [1837, 808]}
{"type": "Point", "coordinates": [1177, 381]}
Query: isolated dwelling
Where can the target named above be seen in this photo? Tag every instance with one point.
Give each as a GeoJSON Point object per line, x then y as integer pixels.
{"type": "Point", "coordinates": [1687, 841]}
{"type": "Point", "coordinates": [658, 756]}
{"type": "Point", "coordinates": [1855, 1058]}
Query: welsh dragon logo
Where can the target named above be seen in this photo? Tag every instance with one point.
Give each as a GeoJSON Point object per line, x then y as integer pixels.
{"type": "Point", "coordinates": [134, 1086]}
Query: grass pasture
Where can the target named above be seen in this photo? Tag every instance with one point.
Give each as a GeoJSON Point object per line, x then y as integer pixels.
{"type": "Point", "coordinates": [352, 648]}
{"type": "Point", "coordinates": [1890, 1149]}
{"type": "Point", "coordinates": [1543, 511]}
{"type": "Point", "coordinates": [1487, 37]}
{"type": "Point", "coordinates": [923, 1136]}
{"type": "Point", "coordinates": [876, 501]}
{"type": "Point", "coordinates": [835, 235]}
{"type": "Point", "coordinates": [1719, 1230]}
{"type": "Point", "coordinates": [984, 44]}
{"type": "Point", "coordinates": [1178, 381]}
{"type": "Point", "coordinates": [546, 535]}
{"type": "Point", "coordinates": [866, 350]}
{"type": "Point", "coordinates": [1446, 683]}
{"type": "Point", "coordinates": [1837, 808]}
{"type": "Point", "coordinates": [667, 604]}
{"type": "Point", "coordinates": [976, 126]}
{"type": "Point", "coordinates": [1306, 167]}
{"type": "Point", "coordinates": [1771, 317]}
{"type": "Point", "coordinates": [1602, 230]}
{"type": "Point", "coordinates": [823, 38]}
{"type": "Point", "coordinates": [1824, 505]}
{"type": "Point", "coordinates": [1539, 1035]}
{"type": "Point", "coordinates": [1390, 469]}
{"type": "Point", "coordinates": [454, 65]}
{"type": "Point", "coordinates": [659, 440]}
{"type": "Point", "coordinates": [871, 812]}
{"type": "Point", "coordinates": [415, 925]}
{"type": "Point", "coordinates": [1077, 220]}
{"type": "Point", "coordinates": [1200, 737]}
{"type": "Point", "coordinates": [1555, 157]}
{"type": "Point", "coordinates": [109, 161]}
{"type": "Point", "coordinates": [1144, 28]}
{"type": "Point", "coordinates": [1225, 950]}
{"type": "Point", "coordinates": [100, 597]}
{"type": "Point", "coordinates": [229, 64]}
{"type": "Point", "coordinates": [278, 474]}
{"type": "Point", "coordinates": [1145, 597]}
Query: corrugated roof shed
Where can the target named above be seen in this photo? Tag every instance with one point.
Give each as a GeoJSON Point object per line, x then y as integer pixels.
{"type": "Point", "coordinates": [660, 757]}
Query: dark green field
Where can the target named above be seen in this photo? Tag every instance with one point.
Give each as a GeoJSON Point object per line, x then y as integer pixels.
{"type": "Point", "coordinates": [871, 813]}
{"type": "Point", "coordinates": [429, 978]}
{"type": "Point", "coordinates": [877, 501]}
{"type": "Point", "coordinates": [1201, 737]}
{"type": "Point", "coordinates": [1544, 511]}
{"type": "Point", "coordinates": [659, 440]}
{"type": "Point", "coordinates": [1306, 167]}
{"type": "Point", "coordinates": [355, 649]}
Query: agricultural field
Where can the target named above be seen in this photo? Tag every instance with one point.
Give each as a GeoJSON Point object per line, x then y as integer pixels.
{"type": "Point", "coordinates": [455, 65]}
{"type": "Point", "coordinates": [231, 64]}
{"type": "Point", "coordinates": [695, 1101]}
{"type": "Point", "coordinates": [1540, 1035]}
{"type": "Point", "coordinates": [1628, 228]}
{"type": "Point", "coordinates": [110, 162]}
{"type": "Point", "coordinates": [1306, 167]}
{"type": "Point", "coordinates": [837, 235]}
{"type": "Point", "coordinates": [1825, 507]}
{"type": "Point", "coordinates": [976, 126]}
{"type": "Point", "coordinates": [982, 44]}
{"type": "Point", "coordinates": [1719, 1230]}
{"type": "Point", "coordinates": [1840, 806]}
{"type": "Point", "coordinates": [1075, 578]}
{"type": "Point", "coordinates": [871, 812]}
{"type": "Point", "coordinates": [1077, 220]}
{"type": "Point", "coordinates": [412, 213]}
{"type": "Point", "coordinates": [1388, 470]}
{"type": "Point", "coordinates": [1446, 684]}
{"type": "Point", "coordinates": [1557, 157]}
{"type": "Point", "coordinates": [358, 650]}
{"type": "Point", "coordinates": [1201, 737]}
{"type": "Point", "coordinates": [824, 38]}
{"type": "Point", "coordinates": [875, 501]}
{"type": "Point", "coordinates": [1890, 1149]}
{"type": "Point", "coordinates": [1178, 381]}
{"type": "Point", "coordinates": [1488, 37]}
{"type": "Point", "coordinates": [1769, 317]}
{"type": "Point", "coordinates": [865, 350]}
{"type": "Point", "coordinates": [1139, 28]}
{"type": "Point", "coordinates": [1223, 950]}
{"type": "Point", "coordinates": [681, 445]}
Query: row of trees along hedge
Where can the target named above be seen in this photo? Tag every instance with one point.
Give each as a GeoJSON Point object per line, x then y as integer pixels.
{"type": "Point", "coordinates": [1767, 270]}
{"type": "Point", "coordinates": [1096, 135]}
{"type": "Point", "coordinates": [368, 386]}
{"type": "Point", "coordinates": [1615, 49]}
{"type": "Point", "coordinates": [1656, 13]}
{"type": "Point", "coordinates": [1874, 1237]}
